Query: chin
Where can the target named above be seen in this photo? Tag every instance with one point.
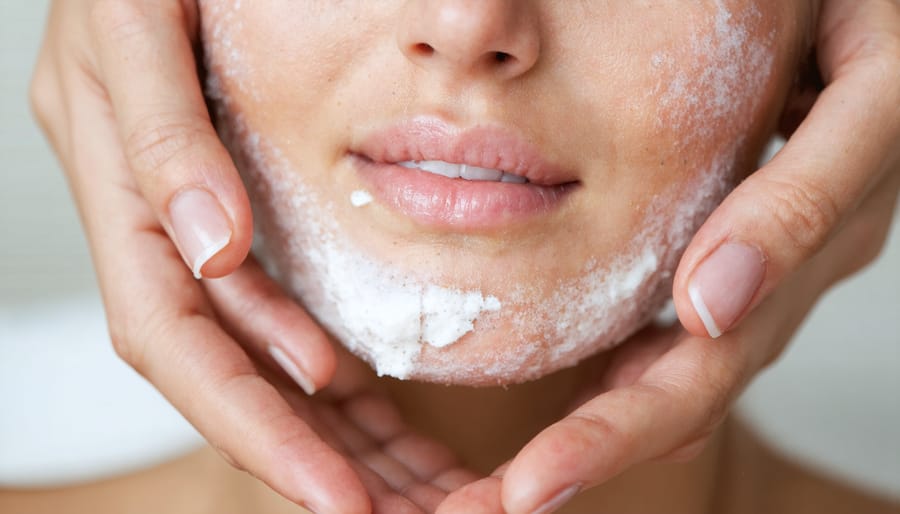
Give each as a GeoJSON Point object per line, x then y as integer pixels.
{"type": "Point", "coordinates": [501, 328]}
{"type": "Point", "coordinates": [481, 330]}
{"type": "Point", "coordinates": [374, 199]}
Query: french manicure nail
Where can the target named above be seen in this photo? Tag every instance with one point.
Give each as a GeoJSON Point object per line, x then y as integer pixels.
{"type": "Point", "coordinates": [201, 228]}
{"type": "Point", "coordinates": [559, 500]}
{"type": "Point", "coordinates": [292, 369]}
{"type": "Point", "coordinates": [723, 285]}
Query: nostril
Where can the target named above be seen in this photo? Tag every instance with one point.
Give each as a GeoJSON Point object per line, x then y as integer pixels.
{"type": "Point", "coordinates": [501, 57]}
{"type": "Point", "coordinates": [423, 49]}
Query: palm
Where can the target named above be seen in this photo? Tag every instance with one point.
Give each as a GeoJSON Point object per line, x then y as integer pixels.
{"type": "Point", "coordinates": [347, 433]}
{"type": "Point", "coordinates": [402, 470]}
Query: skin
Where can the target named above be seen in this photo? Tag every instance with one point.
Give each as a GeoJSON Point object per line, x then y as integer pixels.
{"type": "Point", "coordinates": [710, 90]}
{"type": "Point", "coordinates": [735, 475]}
{"type": "Point", "coordinates": [116, 91]}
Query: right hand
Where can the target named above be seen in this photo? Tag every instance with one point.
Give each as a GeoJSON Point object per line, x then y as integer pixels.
{"type": "Point", "coordinates": [117, 93]}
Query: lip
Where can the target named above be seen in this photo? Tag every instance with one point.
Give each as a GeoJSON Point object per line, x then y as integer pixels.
{"type": "Point", "coordinates": [443, 202]}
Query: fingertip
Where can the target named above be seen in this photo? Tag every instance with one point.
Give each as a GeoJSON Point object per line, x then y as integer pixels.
{"type": "Point", "coordinates": [221, 259]}
{"type": "Point", "coordinates": [327, 364]}
{"type": "Point", "coordinates": [482, 496]}
{"type": "Point", "coordinates": [347, 500]}
{"type": "Point", "coordinates": [722, 272]}
{"type": "Point", "coordinates": [314, 354]}
{"type": "Point", "coordinates": [213, 237]}
{"type": "Point", "coordinates": [689, 303]}
{"type": "Point", "coordinates": [723, 286]}
{"type": "Point", "coordinates": [686, 306]}
{"type": "Point", "coordinates": [547, 468]}
{"type": "Point", "coordinates": [300, 467]}
{"type": "Point", "coordinates": [281, 328]}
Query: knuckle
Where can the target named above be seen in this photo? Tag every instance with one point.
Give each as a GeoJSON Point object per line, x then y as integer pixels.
{"type": "Point", "coordinates": [710, 386]}
{"type": "Point", "coordinates": [41, 96]}
{"type": "Point", "coordinates": [132, 335]}
{"type": "Point", "coordinates": [871, 240]}
{"type": "Point", "coordinates": [117, 20]}
{"type": "Point", "coordinates": [124, 344]}
{"type": "Point", "coordinates": [804, 212]}
{"type": "Point", "coordinates": [883, 43]}
{"type": "Point", "coordinates": [226, 456]}
{"type": "Point", "coordinates": [163, 137]}
{"type": "Point", "coordinates": [723, 387]}
{"type": "Point", "coordinates": [876, 43]}
{"type": "Point", "coordinates": [595, 427]}
{"type": "Point", "coordinates": [690, 450]}
{"type": "Point", "coordinates": [867, 230]}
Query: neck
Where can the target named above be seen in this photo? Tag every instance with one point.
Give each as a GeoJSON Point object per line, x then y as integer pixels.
{"type": "Point", "coordinates": [487, 426]}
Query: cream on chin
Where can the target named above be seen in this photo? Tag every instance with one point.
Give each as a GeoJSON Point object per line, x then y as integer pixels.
{"type": "Point", "coordinates": [412, 327]}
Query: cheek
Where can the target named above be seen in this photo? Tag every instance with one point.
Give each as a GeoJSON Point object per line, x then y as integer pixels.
{"type": "Point", "coordinates": [686, 105]}
{"type": "Point", "coordinates": [283, 63]}
{"type": "Point", "coordinates": [676, 148]}
{"type": "Point", "coordinates": [716, 87]}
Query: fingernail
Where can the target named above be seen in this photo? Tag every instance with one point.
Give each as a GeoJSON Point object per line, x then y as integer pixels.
{"type": "Point", "coordinates": [559, 500]}
{"type": "Point", "coordinates": [200, 225]}
{"type": "Point", "coordinates": [292, 369]}
{"type": "Point", "coordinates": [723, 285]}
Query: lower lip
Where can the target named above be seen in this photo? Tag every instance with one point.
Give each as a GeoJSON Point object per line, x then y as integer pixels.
{"type": "Point", "coordinates": [459, 204]}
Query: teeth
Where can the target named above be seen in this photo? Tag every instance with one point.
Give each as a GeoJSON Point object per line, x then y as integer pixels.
{"type": "Point", "coordinates": [513, 179]}
{"type": "Point", "coordinates": [463, 171]}
{"type": "Point", "coordinates": [476, 173]}
{"type": "Point", "coordinates": [445, 169]}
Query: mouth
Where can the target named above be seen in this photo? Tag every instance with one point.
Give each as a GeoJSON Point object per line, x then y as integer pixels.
{"type": "Point", "coordinates": [464, 171]}
{"type": "Point", "coordinates": [464, 180]}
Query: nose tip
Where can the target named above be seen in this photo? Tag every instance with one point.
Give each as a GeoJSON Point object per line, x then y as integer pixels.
{"type": "Point", "coordinates": [498, 37]}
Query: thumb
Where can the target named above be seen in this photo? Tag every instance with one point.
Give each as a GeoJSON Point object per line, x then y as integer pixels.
{"type": "Point", "coordinates": [184, 172]}
{"type": "Point", "coordinates": [785, 212]}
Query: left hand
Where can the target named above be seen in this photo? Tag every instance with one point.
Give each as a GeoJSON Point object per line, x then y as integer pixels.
{"type": "Point", "coordinates": [818, 212]}
{"type": "Point", "coordinates": [665, 392]}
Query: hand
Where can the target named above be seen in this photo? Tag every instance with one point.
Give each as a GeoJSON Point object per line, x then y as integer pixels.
{"type": "Point", "coordinates": [116, 91]}
{"type": "Point", "coordinates": [817, 213]}
{"type": "Point", "coordinates": [785, 213]}
{"type": "Point", "coordinates": [663, 393]}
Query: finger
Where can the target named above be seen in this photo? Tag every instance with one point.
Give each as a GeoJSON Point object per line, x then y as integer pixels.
{"type": "Point", "coordinates": [424, 461]}
{"type": "Point", "coordinates": [629, 361]}
{"type": "Point", "coordinates": [784, 213]}
{"type": "Point", "coordinates": [254, 308]}
{"type": "Point", "coordinates": [678, 400]}
{"type": "Point", "coordinates": [162, 325]}
{"type": "Point", "coordinates": [482, 496]}
{"type": "Point", "coordinates": [618, 429]}
{"type": "Point", "coordinates": [623, 365]}
{"type": "Point", "coordinates": [368, 429]}
{"type": "Point", "coordinates": [147, 65]}
{"type": "Point", "coordinates": [454, 479]}
{"type": "Point", "coordinates": [386, 480]}
{"type": "Point", "coordinates": [384, 499]}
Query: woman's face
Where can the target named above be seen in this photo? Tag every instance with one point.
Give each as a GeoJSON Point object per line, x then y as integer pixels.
{"type": "Point", "coordinates": [591, 137]}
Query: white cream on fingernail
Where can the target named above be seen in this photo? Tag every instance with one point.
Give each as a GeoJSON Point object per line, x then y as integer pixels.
{"type": "Point", "coordinates": [292, 370]}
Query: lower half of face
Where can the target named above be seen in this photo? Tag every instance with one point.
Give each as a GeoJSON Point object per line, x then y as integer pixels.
{"type": "Point", "coordinates": [484, 204]}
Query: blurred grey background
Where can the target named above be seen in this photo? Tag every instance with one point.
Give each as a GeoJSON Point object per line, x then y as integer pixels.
{"type": "Point", "coordinates": [69, 410]}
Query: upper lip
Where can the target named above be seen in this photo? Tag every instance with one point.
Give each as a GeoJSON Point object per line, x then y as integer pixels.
{"type": "Point", "coordinates": [486, 146]}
